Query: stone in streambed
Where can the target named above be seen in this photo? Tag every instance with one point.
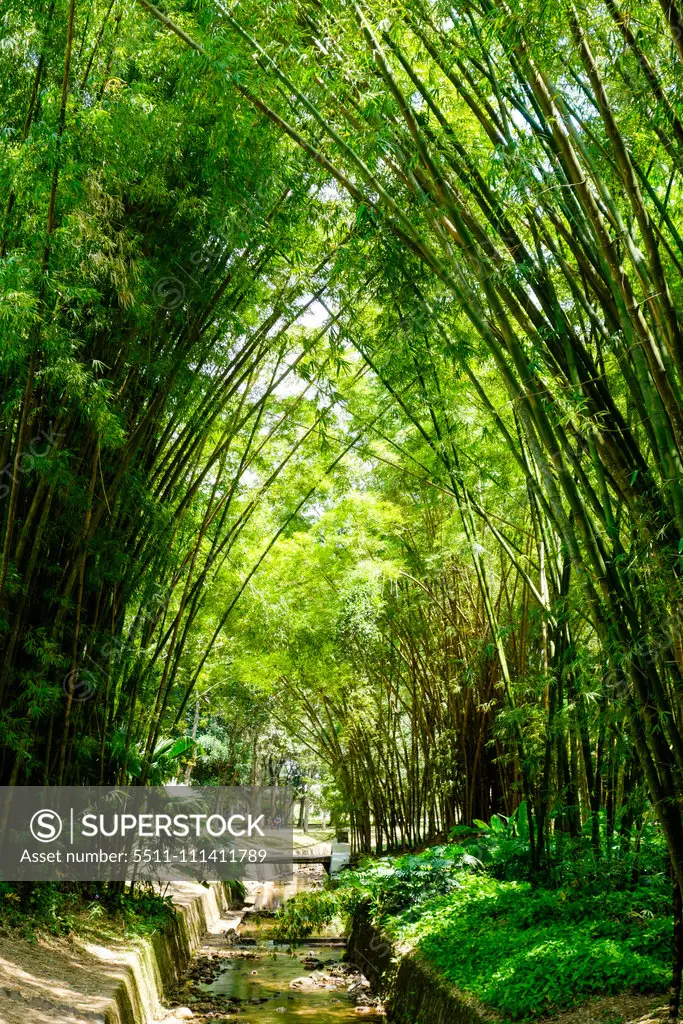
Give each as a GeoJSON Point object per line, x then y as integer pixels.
{"type": "Point", "coordinates": [305, 982]}
{"type": "Point", "coordinates": [312, 963]}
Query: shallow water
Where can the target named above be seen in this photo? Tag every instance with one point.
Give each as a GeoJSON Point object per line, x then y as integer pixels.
{"type": "Point", "coordinates": [251, 977]}
{"type": "Point", "coordinates": [262, 986]}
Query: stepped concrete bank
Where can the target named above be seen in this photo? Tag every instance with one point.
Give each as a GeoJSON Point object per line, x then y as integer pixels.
{"type": "Point", "coordinates": [415, 992]}
{"type": "Point", "coordinates": [84, 983]}
{"type": "Point", "coordinates": [420, 995]}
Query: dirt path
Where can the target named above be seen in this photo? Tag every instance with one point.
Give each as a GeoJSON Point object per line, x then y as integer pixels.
{"type": "Point", "coordinates": [50, 981]}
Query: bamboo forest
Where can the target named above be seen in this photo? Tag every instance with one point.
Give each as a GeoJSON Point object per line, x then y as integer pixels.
{"type": "Point", "coordinates": [341, 443]}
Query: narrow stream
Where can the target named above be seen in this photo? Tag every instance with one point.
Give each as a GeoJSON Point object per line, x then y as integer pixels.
{"type": "Point", "coordinates": [245, 977]}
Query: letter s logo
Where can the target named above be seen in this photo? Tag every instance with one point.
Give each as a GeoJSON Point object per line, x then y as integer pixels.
{"type": "Point", "coordinates": [46, 826]}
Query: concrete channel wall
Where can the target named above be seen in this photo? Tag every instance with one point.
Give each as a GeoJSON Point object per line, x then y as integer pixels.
{"type": "Point", "coordinates": [85, 983]}
{"type": "Point", "coordinates": [415, 992]}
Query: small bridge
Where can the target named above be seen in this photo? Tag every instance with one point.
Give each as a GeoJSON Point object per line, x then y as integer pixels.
{"type": "Point", "coordinates": [312, 858]}
{"type": "Point", "coordinates": [305, 858]}
{"type": "Point", "coordinates": [338, 858]}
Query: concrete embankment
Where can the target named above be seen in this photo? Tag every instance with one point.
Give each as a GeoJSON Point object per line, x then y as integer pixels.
{"type": "Point", "coordinates": [414, 991]}
{"type": "Point", "coordinates": [83, 982]}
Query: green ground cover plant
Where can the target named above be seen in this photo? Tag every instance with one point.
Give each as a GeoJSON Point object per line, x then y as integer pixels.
{"type": "Point", "coordinates": [527, 952]}
{"type": "Point", "coordinates": [524, 949]}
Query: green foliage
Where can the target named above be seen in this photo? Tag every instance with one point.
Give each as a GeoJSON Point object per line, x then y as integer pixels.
{"type": "Point", "coordinates": [462, 472]}
{"type": "Point", "coordinates": [530, 951]}
{"type": "Point", "coordinates": [157, 320]}
{"type": "Point", "coordinates": [501, 845]}
{"type": "Point", "coordinates": [524, 950]}
{"type": "Point", "coordinates": [55, 909]}
{"type": "Point", "coordinates": [305, 913]}
{"type": "Point", "coordinates": [403, 884]}
{"type": "Point", "coordinates": [503, 849]}
{"type": "Point", "coordinates": [33, 908]}
{"type": "Point", "coordinates": [236, 890]}
{"type": "Point", "coordinates": [142, 912]}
